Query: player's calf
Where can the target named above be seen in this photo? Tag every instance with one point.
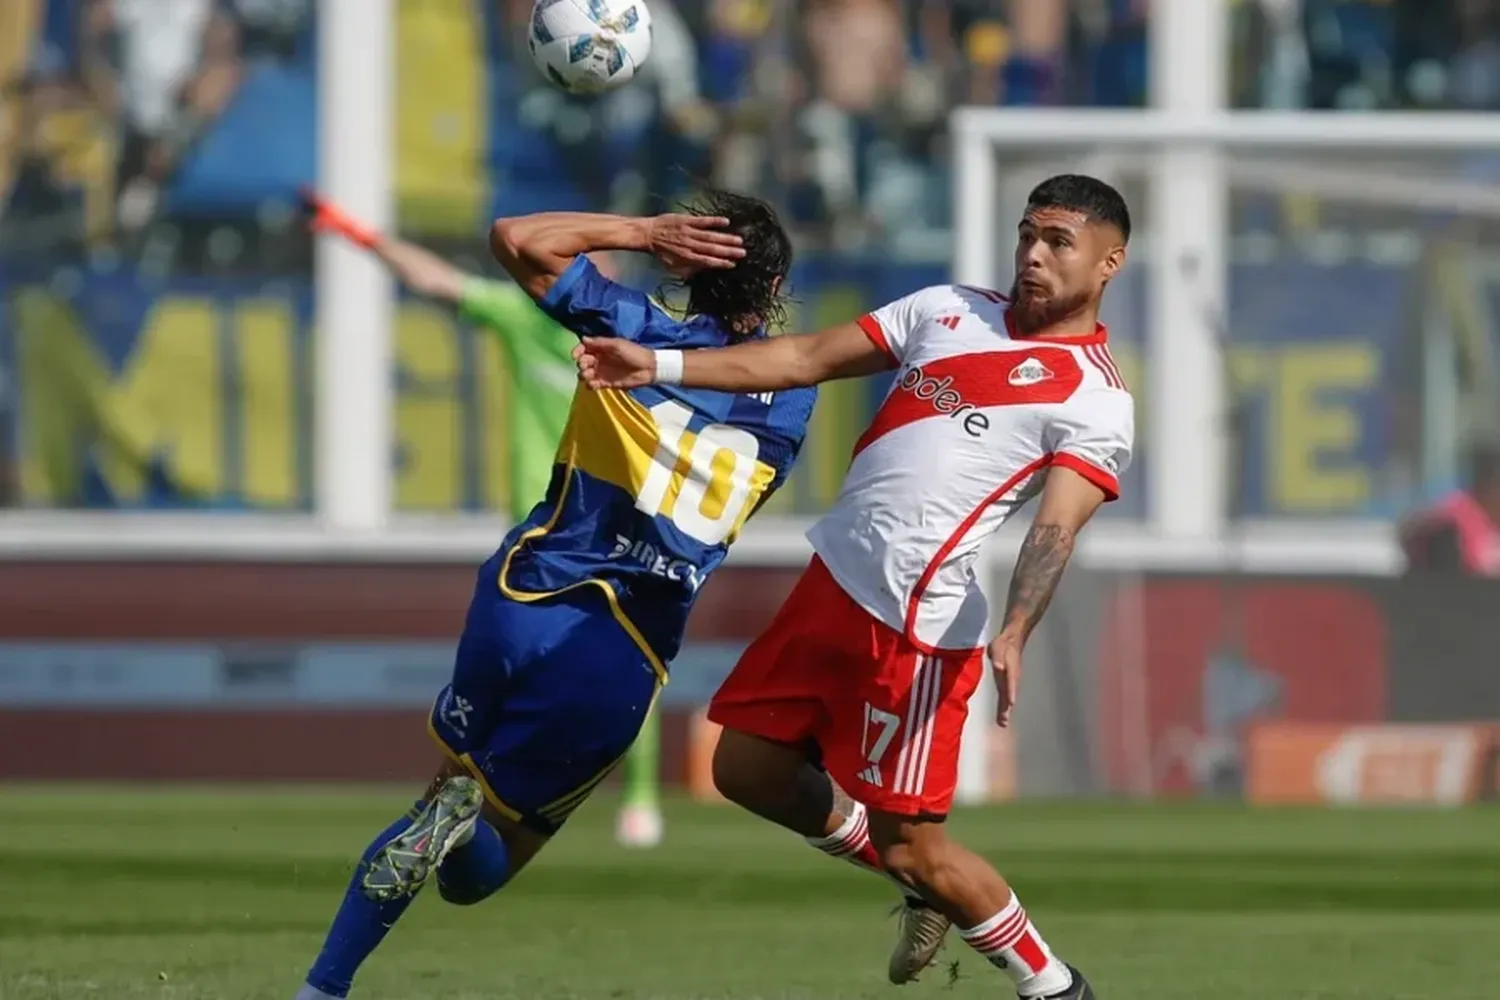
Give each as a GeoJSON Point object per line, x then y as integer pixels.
{"type": "Point", "coordinates": [921, 928]}
{"type": "Point", "coordinates": [477, 867]}
{"type": "Point", "coordinates": [974, 896]}
{"type": "Point", "coordinates": [779, 783]}
{"type": "Point", "coordinates": [443, 832]}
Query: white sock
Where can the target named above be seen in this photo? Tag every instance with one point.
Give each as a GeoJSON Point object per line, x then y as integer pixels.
{"type": "Point", "coordinates": [851, 841]}
{"type": "Point", "coordinates": [308, 993]}
{"type": "Point", "coordinates": [1012, 944]}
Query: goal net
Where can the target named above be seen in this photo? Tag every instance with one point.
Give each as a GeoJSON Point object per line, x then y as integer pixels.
{"type": "Point", "coordinates": [1310, 322]}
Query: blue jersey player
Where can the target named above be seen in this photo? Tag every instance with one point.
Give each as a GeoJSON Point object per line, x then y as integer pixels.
{"type": "Point", "coordinates": [577, 615]}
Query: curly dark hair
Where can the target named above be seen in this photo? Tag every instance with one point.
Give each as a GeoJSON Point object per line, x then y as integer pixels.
{"type": "Point", "coordinates": [750, 294]}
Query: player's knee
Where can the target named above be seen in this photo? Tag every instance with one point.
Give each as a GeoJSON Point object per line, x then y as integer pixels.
{"type": "Point", "coordinates": [744, 775]}
{"type": "Point", "coordinates": [734, 776]}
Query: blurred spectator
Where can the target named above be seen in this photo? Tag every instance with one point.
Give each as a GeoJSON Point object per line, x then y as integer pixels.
{"type": "Point", "coordinates": [1448, 55]}
{"type": "Point", "coordinates": [858, 53]}
{"type": "Point", "coordinates": [171, 67]}
{"type": "Point", "coordinates": [1368, 54]}
{"type": "Point", "coordinates": [742, 69]}
{"type": "Point", "coordinates": [836, 108]}
{"type": "Point", "coordinates": [163, 67]}
{"type": "Point", "coordinates": [856, 63]}
{"type": "Point", "coordinates": [1034, 72]}
{"type": "Point", "coordinates": [1108, 53]}
{"type": "Point", "coordinates": [683, 122]}
{"type": "Point", "coordinates": [1461, 533]}
{"type": "Point", "coordinates": [48, 127]}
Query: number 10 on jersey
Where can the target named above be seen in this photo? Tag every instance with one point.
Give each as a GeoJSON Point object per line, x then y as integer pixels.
{"type": "Point", "coordinates": [700, 480]}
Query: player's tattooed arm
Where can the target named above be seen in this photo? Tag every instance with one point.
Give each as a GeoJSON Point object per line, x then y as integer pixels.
{"type": "Point", "coordinates": [1068, 501]}
{"type": "Point", "coordinates": [1039, 568]}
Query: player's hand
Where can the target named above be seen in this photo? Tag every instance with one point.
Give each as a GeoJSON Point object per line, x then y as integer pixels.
{"type": "Point", "coordinates": [686, 244]}
{"type": "Point", "coordinates": [614, 363]}
{"type": "Point", "coordinates": [326, 217]}
{"type": "Point", "coordinates": [1005, 662]}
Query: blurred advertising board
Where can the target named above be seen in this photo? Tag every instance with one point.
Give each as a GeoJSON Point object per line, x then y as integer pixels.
{"type": "Point", "coordinates": [1138, 683]}
{"type": "Point", "coordinates": [1390, 764]}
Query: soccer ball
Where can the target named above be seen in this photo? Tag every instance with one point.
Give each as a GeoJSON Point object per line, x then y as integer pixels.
{"type": "Point", "coordinates": [589, 46]}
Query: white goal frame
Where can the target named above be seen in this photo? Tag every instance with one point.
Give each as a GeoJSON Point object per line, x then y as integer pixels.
{"type": "Point", "coordinates": [1190, 157]}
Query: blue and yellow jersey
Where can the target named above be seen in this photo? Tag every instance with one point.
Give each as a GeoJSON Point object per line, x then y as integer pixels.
{"type": "Point", "coordinates": [651, 485]}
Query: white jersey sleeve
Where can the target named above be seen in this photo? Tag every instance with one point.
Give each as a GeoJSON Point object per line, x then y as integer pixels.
{"type": "Point", "coordinates": [1094, 435]}
{"type": "Point", "coordinates": [892, 326]}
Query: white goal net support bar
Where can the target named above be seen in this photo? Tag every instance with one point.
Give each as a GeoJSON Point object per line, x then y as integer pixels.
{"type": "Point", "coordinates": [1189, 163]}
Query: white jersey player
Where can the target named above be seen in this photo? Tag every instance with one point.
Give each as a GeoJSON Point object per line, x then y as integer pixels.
{"type": "Point", "coordinates": [997, 400]}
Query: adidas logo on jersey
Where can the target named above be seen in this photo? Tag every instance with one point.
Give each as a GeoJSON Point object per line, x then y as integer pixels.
{"type": "Point", "coordinates": [1029, 372]}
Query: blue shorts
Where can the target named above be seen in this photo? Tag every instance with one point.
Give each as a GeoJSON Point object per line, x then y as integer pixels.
{"type": "Point", "coordinates": [546, 699]}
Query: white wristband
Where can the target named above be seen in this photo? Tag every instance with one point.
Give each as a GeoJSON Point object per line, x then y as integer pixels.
{"type": "Point", "coordinates": [668, 368]}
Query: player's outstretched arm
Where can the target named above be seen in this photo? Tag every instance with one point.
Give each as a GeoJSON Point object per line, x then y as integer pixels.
{"type": "Point", "coordinates": [422, 271]}
{"type": "Point", "coordinates": [788, 362]}
{"type": "Point", "coordinates": [1068, 501]}
{"type": "Point", "coordinates": [537, 249]}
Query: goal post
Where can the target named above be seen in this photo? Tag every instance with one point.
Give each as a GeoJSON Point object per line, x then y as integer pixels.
{"type": "Point", "coordinates": [1180, 171]}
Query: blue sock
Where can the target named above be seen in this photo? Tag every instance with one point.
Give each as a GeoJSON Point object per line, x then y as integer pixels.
{"type": "Point", "coordinates": [359, 926]}
{"type": "Point", "coordinates": [473, 872]}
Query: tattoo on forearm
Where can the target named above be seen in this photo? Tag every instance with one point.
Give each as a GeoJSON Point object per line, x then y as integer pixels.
{"type": "Point", "coordinates": [1044, 554]}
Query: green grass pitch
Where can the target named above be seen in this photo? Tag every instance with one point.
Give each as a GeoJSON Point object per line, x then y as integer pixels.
{"type": "Point", "coordinates": [224, 895]}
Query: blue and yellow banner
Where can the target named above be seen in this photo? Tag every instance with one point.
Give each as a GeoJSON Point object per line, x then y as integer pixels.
{"type": "Point", "coordinates": [198, 392]}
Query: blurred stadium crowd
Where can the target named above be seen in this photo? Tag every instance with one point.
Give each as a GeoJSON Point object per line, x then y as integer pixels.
{"type": "Point", "coordinates": [120, 112]}
{"type": "Point", "coordinates": [174, 135]}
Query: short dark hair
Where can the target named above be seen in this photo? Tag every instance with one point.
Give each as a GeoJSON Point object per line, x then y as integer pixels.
{"type": "Point", "coordinates": [1082, 193]}
{"type": "Point", "coordinates": [751, 291]}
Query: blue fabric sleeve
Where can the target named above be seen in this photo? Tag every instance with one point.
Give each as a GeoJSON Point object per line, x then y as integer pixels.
{"type": "Point", "coordinates": [591, 305]}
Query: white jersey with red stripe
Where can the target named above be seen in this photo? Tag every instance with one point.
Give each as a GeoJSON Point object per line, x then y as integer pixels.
{"type": "Point", "coordinates": [974, 419]}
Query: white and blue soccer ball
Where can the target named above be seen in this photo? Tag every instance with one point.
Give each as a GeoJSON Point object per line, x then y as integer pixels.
{"type": "Point", "coordinates": [589, 46]}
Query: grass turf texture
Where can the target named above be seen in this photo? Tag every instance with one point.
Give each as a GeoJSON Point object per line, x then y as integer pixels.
{"type": "Point", "coordinates": [225, 895]}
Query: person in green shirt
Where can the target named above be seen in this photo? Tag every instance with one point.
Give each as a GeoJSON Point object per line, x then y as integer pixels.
{"type": "Point", "coordinates": [538, 357]}
{"type": "Point", "coordinates": [539, 360]}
